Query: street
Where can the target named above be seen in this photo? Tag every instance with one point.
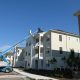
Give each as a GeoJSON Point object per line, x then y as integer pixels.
{"type": "Point", "coordinates": [12, 76]}
{"type": "Point", "coordinates": [11, 73]}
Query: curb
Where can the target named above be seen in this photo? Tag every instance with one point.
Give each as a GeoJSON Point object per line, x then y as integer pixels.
{"type": "Point", "coordinates": [33, 76]}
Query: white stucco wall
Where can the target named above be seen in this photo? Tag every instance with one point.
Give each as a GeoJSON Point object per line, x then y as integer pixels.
{"type": "Point", "coordinates": [31, 49]}
{"type": "Point", "coordinates": [68, 42]}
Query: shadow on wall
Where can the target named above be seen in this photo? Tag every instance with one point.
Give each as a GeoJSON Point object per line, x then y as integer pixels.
{"type": "Point", "coordinates": [61, 60]}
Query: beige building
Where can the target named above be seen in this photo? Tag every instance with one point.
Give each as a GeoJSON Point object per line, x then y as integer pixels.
{"type": "Point", "coordinates": [34, 51]}
{"type": "Point", "coordinates": [57, 45]}
{"type": "Point", "coordinates": [44, 47]}
{"type": "Point", "coordinates": [47, 50]}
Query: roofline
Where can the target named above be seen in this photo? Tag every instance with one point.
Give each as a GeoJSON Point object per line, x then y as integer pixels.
{"type": "Point", "coordinates": [65, 33]}
{"type": "Point", "coordinates": [19, 47]}
{"type": "Point", "coordinates": [36, 34]}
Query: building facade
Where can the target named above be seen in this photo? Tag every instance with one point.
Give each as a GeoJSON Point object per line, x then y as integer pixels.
{"type": "Point", "coordinates": [48, 50]}
{"type": "Point", "coordinates": [34, 51]}
{"type": "Point", "coordinates": [57, 46]}
{"type": "Point", "coordinates": [18, 60]}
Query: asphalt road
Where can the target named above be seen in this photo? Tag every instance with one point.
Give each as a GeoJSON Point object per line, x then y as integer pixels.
{"type": "Point", "coordinates": [12, 79]}
{"type": "Point", "coordinates": [11, 73]}
{"type": "Point", "coordinates": [12, 76]}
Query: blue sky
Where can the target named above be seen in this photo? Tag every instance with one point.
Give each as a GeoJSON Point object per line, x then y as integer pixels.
{"type": "Point", "coordinates": [17, 17]}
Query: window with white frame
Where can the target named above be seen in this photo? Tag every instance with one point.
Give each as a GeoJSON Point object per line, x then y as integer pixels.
{"type": "Point", "coordinates": [60, 37]}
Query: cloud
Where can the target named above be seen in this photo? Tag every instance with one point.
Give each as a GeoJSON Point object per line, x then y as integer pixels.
{"type": "Point", "coordinates": [3, 48]}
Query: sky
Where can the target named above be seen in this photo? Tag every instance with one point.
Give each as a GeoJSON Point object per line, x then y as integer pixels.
{"type": "Point", "coordinates": [17, 17]}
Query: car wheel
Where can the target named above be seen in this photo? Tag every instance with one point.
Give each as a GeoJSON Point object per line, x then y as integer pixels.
{"type": "Point", "coordinates": [7, 70]}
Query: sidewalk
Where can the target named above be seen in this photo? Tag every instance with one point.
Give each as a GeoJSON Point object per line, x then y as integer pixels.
{"type": "Point", "coordinates": [33, 76]}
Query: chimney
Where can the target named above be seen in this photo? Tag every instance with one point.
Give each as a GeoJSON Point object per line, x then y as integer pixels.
{"type": "Point", "coordinates": [78, 15]}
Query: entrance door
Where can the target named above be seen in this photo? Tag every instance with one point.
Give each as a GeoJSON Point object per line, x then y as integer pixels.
{"type": "Point", "coordinates": [36, 64]}
{"type": "Point", "coordinates": [25, 64]}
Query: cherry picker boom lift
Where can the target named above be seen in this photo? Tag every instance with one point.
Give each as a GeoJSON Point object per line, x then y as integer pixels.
{"type": "Point", "coordinates": [8, 67]}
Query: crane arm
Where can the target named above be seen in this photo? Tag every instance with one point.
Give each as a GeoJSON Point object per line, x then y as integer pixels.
{"type": "Point", "coordinates": [4, 52]}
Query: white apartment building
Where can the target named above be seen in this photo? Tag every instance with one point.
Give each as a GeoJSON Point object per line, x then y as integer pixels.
{"type": "Point", "coordinates": [57, 45]}
{"type": "Point", "coordinates": [34, 51]}
{"type": "Point", "coordinates": [46, 50]}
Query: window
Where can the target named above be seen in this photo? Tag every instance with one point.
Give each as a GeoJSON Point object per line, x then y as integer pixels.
{"type": "Point", "coordinates": [29, 54]}
{"type": "Point", "coordinates": [69, 38]}
{"type": "Point", "coordinates": [41, 40]}
{"type": "Point", "coordinates": [60, 37]}
{"type": "Point", "coordinates": [25, 64]}
{"type": "Point", "coordinates": [26, 44]}
{"type": "Point", "coordinates": [26, 53]}
{"type": "Point", "coordinates": [60, 50]}
{"type": "Point", "coordinates": [42, 63]}
{"type": "Point", "coordinates": [77, 40]}
{"type": "Point", "coordinates": [47, 51]}
{"type": "Point", "coordinates": [36, 64]}
{"type": "Point", "coordinates": [48, 39]}
{"type": "Point", "coordinates": [41, 50]}
{"type": "Point", "coordinates": [37, 40]}
{"type": "Point", "coordinates": [37, 50]}
{"type": "Point", "coordinates": [29, 43]}
{"type": "Point", "coordinates": [17, 51]}
{"type": "Point", "coordinates": [28, 64]}
{"type": "Point", "coordinates": [47, 63]}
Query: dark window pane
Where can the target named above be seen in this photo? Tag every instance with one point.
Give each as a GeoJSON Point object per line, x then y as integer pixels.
{"type": "Point", "coordinates": [60, 49]}
{"type": "Point", "coordinates": [28, 64]}
{"type": "Point", "coordinates": [60, 37]}
{"type": "Point", "coordinates": [26, 44]}
{"type": "Point", "coordinates": [29, 54]}
{"type": "Point", "coordinates": [29, 43]}
{"type": "Point", "coordinates": [48, 39]}
{"type": "Point", "coordinates": [42, 63]}
{"type": "Point", "coordinates": [26, 53]}
{"type": "Point", "coordinates": [37, 40]}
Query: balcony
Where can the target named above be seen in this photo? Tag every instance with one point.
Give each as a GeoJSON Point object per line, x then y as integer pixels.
{"type": "Point", "coordinates": [41, 44]}
{"type": "Point", "coordinates": [36, 45]}
{"type": "Point", "coordinates": [36, 55]}
{"type": "Point", "coordinates": [41, 54]}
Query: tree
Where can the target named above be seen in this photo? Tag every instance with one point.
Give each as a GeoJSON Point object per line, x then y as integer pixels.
{"type": "Point", "coordinates": [77, 61]}
{"type": "Point", "coordinates": [8, 54]}
{"type": "Point", "coordinates": [71, 59]}
{"type": "Point", "coordinates": [64, 58]}
{"type": "Point", "coordinates": [0, 59]}
{"type": "Point", "coordinates": [53, 60]}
